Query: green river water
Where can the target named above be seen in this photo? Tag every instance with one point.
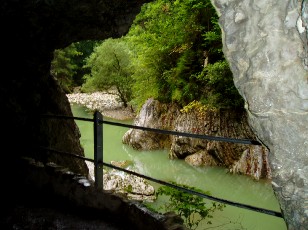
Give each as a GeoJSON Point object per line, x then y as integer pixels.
{"type": "Point", "coordinates": [216, 180]}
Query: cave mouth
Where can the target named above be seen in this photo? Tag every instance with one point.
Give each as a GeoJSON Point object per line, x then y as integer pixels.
{"type": "Point", "coordinates": [37, 28]}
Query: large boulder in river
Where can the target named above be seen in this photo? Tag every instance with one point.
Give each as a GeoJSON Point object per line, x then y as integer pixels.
{"type": "Point", "coordinates": [228, 123]}
{"type": "Point", "coordinates": [156, 115]}
{"type": "Point", "coordinates": [239, 158]}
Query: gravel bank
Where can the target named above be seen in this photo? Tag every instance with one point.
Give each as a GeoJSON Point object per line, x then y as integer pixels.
{"type": "Point", "coordinates": [106, 103]}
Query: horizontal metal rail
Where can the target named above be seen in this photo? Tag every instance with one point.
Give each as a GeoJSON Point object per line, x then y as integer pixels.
{"type": "Point", "coordinates": [206, 196]}
{"type": "Point", "coordinates": [99, 163]}
{"type": "Point", "coordinates": [168, 132]}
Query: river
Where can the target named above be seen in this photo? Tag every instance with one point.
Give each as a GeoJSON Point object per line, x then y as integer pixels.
{"type": "Point", "coordinates": [216, 180]}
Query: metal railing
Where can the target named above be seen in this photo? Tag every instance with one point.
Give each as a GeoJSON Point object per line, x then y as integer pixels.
{"type": "Point", "coordinates": [98, 121]}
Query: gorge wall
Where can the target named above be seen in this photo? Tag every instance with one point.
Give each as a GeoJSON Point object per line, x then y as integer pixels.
{"type": "Point", "coordinates": [251, 160]}
{"type": "Point", "coordinates": [265, 42]}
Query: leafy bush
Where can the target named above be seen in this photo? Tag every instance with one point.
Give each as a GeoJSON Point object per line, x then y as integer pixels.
{"type": "Point", "coordinates": [63, 68]}
{"type": "Point", "coordinates": [192, 208]}
{"type": "Point", "coordinates": [169, 40]}
{"type": "Point", "coordinates": [219, 90]}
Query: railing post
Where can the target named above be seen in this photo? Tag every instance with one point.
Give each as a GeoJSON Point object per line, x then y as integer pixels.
{"type": "Point", "coordinates": [98, 149]}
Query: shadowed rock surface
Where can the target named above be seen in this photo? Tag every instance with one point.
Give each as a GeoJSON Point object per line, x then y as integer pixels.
{"type": "Point", "coordinates": [52, 197]}
{"type": "Point", "coordinates": [31, 31]}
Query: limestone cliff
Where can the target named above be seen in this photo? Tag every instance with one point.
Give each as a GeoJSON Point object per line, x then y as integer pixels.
{"type": "Point", "coordinates": [239, 158]}
{"type": "Point", "coordinates": [152, 115]}
{"type": "Point", "coordinates": [265, 43]}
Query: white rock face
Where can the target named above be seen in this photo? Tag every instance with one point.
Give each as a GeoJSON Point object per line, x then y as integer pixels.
{"type": "Point", "coordinates": [135, 188]}
{"type": "Point", "coordinates": [252, 163]}
{"type": "Point", "coordinates": [265, 42]}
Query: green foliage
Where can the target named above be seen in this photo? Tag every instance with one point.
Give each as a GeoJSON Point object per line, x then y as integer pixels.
{"type": "Point", "coordinates": [212, 41]}
{"type": "Point", "coordinates": [165, 38]}
{"type": "Point", "coordinates": [194, 106]}
{"type": "Point", "coordinates": [111, 68]}
{"type": "Point", "coordinates": [85, 48]}
{"type": "Point", "coordinates": [63, 68]}
{"type": "Point", "coordinates": [192, 208]}
{"type": "Point", "coordinates": [219, 87]}
{"type": "Point", "coordinates": [170, 41]}
{"type": "Point", "coordinates": [67, 65]}
{"type": "Point", "coordinates": [172, 53]}
{"type": "Point", "coordinates": [129, 188]}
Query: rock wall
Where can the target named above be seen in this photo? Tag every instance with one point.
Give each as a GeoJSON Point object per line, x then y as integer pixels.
{"type": "Point", "coordinates": [156, 115]}
{"type": "Point", "coordinates": [80, 194]}
{"type": "Point", "coordinates": [251, 160]}
{"type": "Point", "coordinates": [32, 30]}
{"type": "Point", "coordinates": [265, 43]}
{"type": "Point", "coordinates": [245, 159]}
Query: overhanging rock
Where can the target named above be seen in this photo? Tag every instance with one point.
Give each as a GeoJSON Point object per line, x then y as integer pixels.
{"type": "Point", "coordinates": [265, 43]}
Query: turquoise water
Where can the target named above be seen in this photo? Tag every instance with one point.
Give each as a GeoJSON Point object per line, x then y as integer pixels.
{"type": "Point", "coordinates": [216, 180]}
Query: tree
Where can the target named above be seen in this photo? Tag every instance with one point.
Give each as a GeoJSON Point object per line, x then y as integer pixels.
{"type": "Point", "coordinates": [167, 54]}
{"type": "Point", "coordinates": [85, 48]}
{"type": "Point", "coordinates": [173, 43]}
{"type": "Point", "coordinates": [111, 68]}
{"type": "Point", "coordinates": [63, 68]}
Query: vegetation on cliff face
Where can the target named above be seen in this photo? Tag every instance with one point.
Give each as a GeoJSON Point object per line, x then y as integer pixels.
{"type": "Point", "coordinates": [172, 53]}
{"type": "Point", "coordinates": [68, 65]}
{"type": "Point", "coordinates": [198, 119]}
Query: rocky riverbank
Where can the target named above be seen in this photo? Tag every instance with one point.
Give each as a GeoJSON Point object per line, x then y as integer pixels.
{"type": "Point", "coordinates": [251, 160]}
{"type": "Point", "coordinates": [108, 104]}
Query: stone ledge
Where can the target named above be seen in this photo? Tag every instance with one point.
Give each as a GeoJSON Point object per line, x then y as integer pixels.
{"type": "Point", "coordinates": [52, 179]}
